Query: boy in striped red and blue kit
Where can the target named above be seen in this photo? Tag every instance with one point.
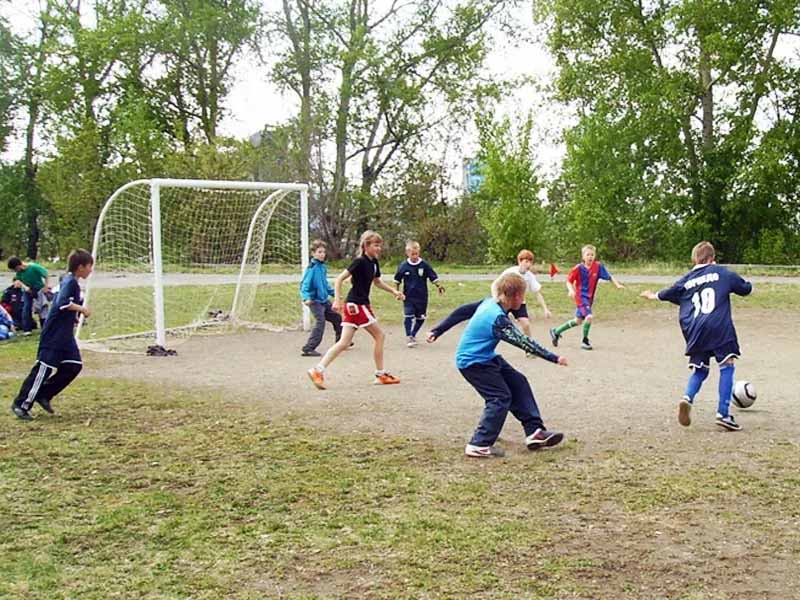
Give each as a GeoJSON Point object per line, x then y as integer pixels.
{"type": "Point", "coordinates": [414, 273]}
{"type": "Point", "coordinates": [502, 387]}
{"type": "Point", "coordinates": [58, 361]}
{"type": "Point", "coordinates": [581, 286]}
{"type": "Point", "coordinates": [704, 297]}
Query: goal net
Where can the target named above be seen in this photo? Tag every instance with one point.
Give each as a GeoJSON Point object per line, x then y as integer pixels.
{"type": "Point", "coordinates": [180, 257]}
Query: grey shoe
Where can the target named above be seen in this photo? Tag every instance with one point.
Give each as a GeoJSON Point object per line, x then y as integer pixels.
{"type": "Point", "coordinates": [541, 438]}
{"type": "Point", "coordinates": [20, 412]}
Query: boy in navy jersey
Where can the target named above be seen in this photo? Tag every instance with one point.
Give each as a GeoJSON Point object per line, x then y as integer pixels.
{"type": "Point", "coordinates": [59, 360]}
{"type": "Point", "coordinates": [703, 295]}
{"type": "Point", "coordinates": [414, 274]}
{"type": "Point", "coordinates": [502, 387]}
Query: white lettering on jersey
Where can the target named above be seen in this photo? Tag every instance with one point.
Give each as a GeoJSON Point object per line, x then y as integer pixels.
{"type": "Point", "coordinates": [707, 278]}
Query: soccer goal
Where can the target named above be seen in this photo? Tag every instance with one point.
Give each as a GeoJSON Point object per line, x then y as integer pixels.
{"type": "Point", "coordinates": [176, 257]}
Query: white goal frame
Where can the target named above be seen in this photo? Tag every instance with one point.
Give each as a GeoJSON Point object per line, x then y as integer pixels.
{"type": "Point", "coordinates": [277, 192]}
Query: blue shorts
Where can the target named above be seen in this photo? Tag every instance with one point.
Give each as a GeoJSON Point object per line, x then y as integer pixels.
{"type": "Point", "coordinates": [583, 311]}
{"type": "Point", "coordinates": [521, 312]}
{"type": "Point", "coordinates": [415, 308]}
{"type": "Point", "coordinates": [702, 360]}
{"type": "Point", "coordinates": [52, 357]}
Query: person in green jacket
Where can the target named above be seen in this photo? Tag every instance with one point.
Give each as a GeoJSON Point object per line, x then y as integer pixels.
{"type": "Point", "coordinates": [31, 278]}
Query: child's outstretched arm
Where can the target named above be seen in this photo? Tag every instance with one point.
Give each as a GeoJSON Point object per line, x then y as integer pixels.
{"type": "Point", "coordinates": [616, 283]}
{"type": "Point", "coordinates": [460, 314]}
{"type": "Point", "coordinates": [649, 295]}
{"type": "Point", "coordinates": [503, 329]}
{"type": "Point", "coordinates": [396, 293]}
{"type": "Point", "coordinates": [543, 304]}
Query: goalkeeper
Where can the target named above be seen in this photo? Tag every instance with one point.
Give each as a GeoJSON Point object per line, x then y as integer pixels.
{"type": "Point", "coordinates": [502, 387]}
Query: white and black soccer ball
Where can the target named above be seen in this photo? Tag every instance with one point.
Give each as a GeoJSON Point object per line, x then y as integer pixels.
{"type": "Point", "coordinates": [744, 394]}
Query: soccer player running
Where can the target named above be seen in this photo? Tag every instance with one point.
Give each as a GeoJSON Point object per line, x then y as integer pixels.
{"type": "Point", "coordinates": [502, 387]}
{"type": "Point", "coordinates": [703, 295]}
{"type": "Point", "coordinates": [358, 314]}
{"type": "Point", "coordinates": [58, 361]}
{"type": "Point", "coordinates": [581, 286]}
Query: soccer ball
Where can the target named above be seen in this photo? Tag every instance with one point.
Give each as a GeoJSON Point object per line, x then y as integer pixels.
{"type": "Point", "coordinates": [744, 394]}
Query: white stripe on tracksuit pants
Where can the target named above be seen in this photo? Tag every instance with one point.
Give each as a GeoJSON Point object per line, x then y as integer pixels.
{"type": "Point", "coordinates": [46, 381]}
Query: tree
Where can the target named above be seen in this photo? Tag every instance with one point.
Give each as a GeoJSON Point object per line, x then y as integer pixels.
{"type": "Point", "coordinates": [675, 98]}
{"type": "Point", "coordinates": [508, 201]}
{"type": "Point", "coordinates": [199, 42]}
{"type": "Point", "coordinates": [392, 75]}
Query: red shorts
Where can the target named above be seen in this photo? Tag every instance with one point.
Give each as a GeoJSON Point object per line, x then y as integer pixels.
{"type": "Point", "coordinates": [358, 315]}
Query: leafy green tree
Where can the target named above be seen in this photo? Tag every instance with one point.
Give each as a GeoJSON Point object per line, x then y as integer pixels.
{"type": "Point", "coordinates": [508, 199]}
{"type": "Point", "coordinates": [676, 99]}
{"type": "Point", "coordinates": [393, 75]}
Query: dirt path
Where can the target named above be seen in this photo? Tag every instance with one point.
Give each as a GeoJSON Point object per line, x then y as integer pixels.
{"type": "Point", "coordinates": [624, 392]}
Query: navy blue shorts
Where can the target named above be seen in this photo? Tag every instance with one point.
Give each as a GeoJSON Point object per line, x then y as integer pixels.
{"type": "Point", "coordinates": [415, 308]}
{"type": "Point", "coordinates": [52, 357]}
{"type": "Point", "coordinates": [702, 360]}
{"type": "Point", "coordinates": [521, 312]}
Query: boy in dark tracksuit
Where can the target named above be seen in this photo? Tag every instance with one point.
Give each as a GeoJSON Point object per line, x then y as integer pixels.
{"type": "Point", "coordinates": [315, 290]}
{"type": "Point", "coordinates": [502, 387]}
{"type": "Point", "coordinates": [58, 361]}
{"type": "Point", "coordinates": [414, 274]}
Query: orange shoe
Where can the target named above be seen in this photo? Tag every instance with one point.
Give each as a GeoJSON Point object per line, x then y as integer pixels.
{"type": "Point", "coordinates": [317, 378]}
{"type": "Point", "coordinates": [385, 379]}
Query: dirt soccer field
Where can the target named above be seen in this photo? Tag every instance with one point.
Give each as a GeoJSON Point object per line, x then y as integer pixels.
{"type": "Point", "coordinates": [650, 538]}
{"type": "Point", "coordinates": [222, 472]}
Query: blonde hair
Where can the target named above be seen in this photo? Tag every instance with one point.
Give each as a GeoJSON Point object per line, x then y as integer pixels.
{"type": "Point", "coordinates": [367, 237]}
{"type": "Point", "coordinates": [412, 245]}
{"type": "Point", "coordinates": [510, 285]}
{"type": "Point", "coordinates": [588, 247]}
{"type": "Point", "coordinates": [703, 253]}
{"type": "Point", "coordinates": [525, 255]}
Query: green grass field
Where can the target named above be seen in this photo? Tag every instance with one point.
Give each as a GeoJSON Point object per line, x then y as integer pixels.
{"type": "Point", "coordinates": [135, 492]}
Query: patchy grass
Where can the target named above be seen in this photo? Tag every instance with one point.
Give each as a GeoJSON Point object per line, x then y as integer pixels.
{"type": "Point", "coordinates": [133, 492]}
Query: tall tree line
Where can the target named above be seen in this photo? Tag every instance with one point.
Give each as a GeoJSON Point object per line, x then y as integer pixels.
{"type": "Point", "coordinates": [687, 120]}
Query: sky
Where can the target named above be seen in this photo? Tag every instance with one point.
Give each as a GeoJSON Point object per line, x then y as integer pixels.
{"type": "Point", "coordinates": [255, 101]}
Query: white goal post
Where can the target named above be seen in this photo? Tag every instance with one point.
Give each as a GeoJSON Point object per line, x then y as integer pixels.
{"type": "Point", "coordinates": [178, 256]}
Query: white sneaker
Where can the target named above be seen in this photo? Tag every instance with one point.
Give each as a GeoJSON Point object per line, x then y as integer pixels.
{"type": "Point", "coordinates": [411, 341]}
{"type": "Point", "coordinates": [484, 451]}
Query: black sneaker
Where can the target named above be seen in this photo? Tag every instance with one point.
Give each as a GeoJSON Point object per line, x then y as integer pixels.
{"type": "Point", "coordinates": [554, 337]}
{"type": "Point", "coordinates": [728, 423]}
{"type": "Point", "coordinates": [541, 438]}
{"type": "Point", "coordinates": [586, 344]}
{"type": "Point", "coordinates": [45, 404]}
{"type": "Point", "coordinates": [20, 412]}
{"type": "Point", "coordinates": [310, 353]}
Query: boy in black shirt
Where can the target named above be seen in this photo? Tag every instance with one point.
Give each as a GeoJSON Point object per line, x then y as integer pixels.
{"type": "Point", "coordinates": [358, 313]}
{"type": "Point", "coordinates": [58, 361]}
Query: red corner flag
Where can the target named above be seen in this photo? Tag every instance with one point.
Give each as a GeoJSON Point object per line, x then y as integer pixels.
{"type": "Point", "coordinates": [553, 270]}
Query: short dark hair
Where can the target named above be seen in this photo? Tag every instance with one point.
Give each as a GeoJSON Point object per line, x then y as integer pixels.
{"type": "Point", "coordinates": [14, 262]}
{"type": "Point", "coordinates": [78, 258]}
{"type": "Point", "coordinates": [316, 244]}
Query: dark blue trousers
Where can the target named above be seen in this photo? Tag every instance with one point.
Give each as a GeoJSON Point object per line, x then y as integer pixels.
{"type": "Point", "coordinates": [504, 389]}
{"type": "Point", "coordinates": [27, 309]}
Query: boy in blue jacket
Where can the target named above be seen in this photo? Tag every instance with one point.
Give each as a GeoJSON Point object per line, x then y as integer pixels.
{"type": "Point", "coordinates": [315, 290]}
